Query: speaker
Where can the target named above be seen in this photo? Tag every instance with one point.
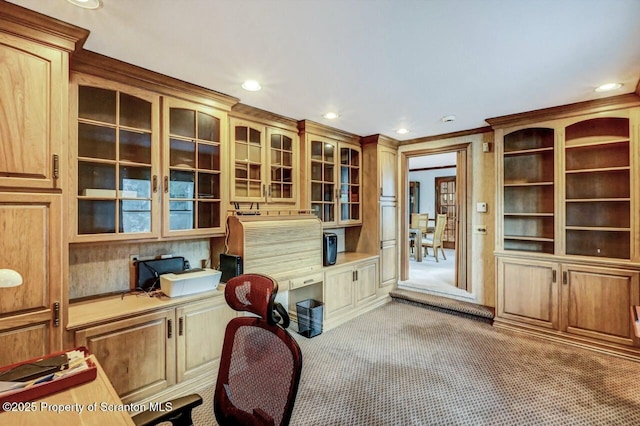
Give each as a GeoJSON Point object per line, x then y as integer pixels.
{"type": "Point", "coordinates": [230, 266]}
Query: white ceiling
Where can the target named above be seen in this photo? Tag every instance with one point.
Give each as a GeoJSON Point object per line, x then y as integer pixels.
{"type": "Point", "coordinates": [381, 64]}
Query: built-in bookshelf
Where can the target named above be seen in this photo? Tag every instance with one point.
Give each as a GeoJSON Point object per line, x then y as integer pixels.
{"type": "Point", "coordinates": [529, 190]}
{"type": "Point", "coordinates": [598, 188]}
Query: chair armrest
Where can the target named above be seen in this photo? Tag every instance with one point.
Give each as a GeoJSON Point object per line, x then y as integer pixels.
{"type": "Point", "coordinates": [179, 413]}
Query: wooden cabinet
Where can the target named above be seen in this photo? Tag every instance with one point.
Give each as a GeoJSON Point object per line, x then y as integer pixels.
{"type": "Point", "coordinates": [349, 287]}
{"type": "Point", "coordinates": [115, 161]}
{"type": "Point", "coordinates": [149, 353]}
{"type": "Point", "coordinates": [194, 193]}
{"type": "Point", "coordinates": [31, 315]}
{"type": "Point", "coordinates": [34, 62]}
{"type": "Point", "coordinates": [138, 354]}
{"type": "Point", "coordinates": [264, 162]}
{"type": "Point", "coordinates": [567, 250]}
{"type": "Point", "coordinates": [379, 226]}
{"type": "Point", "coordinates": [581, 302]}
{"type": "Point", "coordinates": [333, 175]}
{"type": "Point", "coordinates": [33, 94]}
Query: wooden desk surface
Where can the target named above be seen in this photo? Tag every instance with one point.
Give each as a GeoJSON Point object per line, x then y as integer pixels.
{"type": "Point", "coordinates": [93, 403]}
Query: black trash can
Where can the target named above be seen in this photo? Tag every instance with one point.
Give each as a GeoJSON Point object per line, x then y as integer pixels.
{"type": "Point", "coordinates": [309, 317]}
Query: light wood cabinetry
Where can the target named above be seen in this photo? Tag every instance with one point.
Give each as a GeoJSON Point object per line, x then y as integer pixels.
{"type": "Point", "coordinates": [349, 288]}
{"type": "Point", "coordinates": [34, 62]}
{"type": "Point", "coordinates": [149, 353]}
{"type": "Point", "coordinates": [193, 164]}
{"type": "Point", "coordinates": [114, 161]}
{"type": "Point", "coordinates": [333, 174]}
{"type": "Point", "coordinates": [568, 251]}
{"type": "Point", "coordinates": [379, 226]}
{"type": "Point", "coordinates": [264, 158]}
{"type": "Point", "coordinates": [31, 314]}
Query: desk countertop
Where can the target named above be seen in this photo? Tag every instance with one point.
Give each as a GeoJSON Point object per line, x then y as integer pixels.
{"type": "Point", "coordinates": [92, 403]}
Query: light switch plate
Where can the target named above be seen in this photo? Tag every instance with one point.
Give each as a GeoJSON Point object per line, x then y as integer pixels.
{"type": "Point", "coordinates": [481, 207]}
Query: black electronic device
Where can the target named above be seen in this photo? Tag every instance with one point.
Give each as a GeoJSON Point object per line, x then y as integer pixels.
{"type": "Point", "coordinates": [329, 248]}
{"type": "Point", "coordinates": [230, 266]}
{"type": "Point", "coordinates": [148, 271]}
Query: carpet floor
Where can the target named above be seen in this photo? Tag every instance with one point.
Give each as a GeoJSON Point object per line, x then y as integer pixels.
{"type": "Point", "coordinates": [405, 365]}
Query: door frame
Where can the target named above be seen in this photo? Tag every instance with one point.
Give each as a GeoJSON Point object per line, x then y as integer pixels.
{"type": "Point", "coordinates": [438, 203]}
{"type": "Point", "coordinates": [463, 177]}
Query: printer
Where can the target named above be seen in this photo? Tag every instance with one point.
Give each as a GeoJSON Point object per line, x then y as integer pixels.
{"type": "Point", "coordinates": [189, 281]}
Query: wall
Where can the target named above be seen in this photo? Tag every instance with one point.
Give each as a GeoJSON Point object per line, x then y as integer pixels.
{"type": "Point", "coordinates": [427, 179]}
{"type": "Point", "coordinates": [482, 188]}
{"type": "Point", "coordinates": [98, 269]}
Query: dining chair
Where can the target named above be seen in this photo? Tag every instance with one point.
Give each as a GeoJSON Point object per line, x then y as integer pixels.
{"type": "Point", "coordinates": [418, 221]}
{"type": "Point", "coordinates": [435, 240]}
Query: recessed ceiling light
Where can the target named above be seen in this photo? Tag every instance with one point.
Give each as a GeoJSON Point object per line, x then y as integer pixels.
{"type": "Point", "coordinates": [448, 118]}
{"type": "Point", "coordinates": [331, 115]}
{"type": "Point", "coordinates": [251, 85]}
{"type": "Point", "coordinates": [608, 87]}
{"type": "Point", "coordinates": [402, 131]}
{"type": "Point", "coordinates": [87, 4]}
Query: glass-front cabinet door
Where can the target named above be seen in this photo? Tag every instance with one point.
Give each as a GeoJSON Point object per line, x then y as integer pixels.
{"type": "Point", "coordinates": [247, 144]}
{"type": "Point", "coordinates": [282, 156]}
{"type": "Point", "coordinates": [350, 203]}
{"type": "Point", "coordinates": [115, 160]}
{"type": "Point", "coordinates": [324, 191]}
{"type": "Point", "coordinates": [193, 166]}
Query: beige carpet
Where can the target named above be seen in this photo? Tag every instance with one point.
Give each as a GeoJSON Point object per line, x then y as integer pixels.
{"type": "Point", "coordinates": [405, 365]}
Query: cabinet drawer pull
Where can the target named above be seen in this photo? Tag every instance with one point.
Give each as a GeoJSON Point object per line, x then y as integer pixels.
{"type": "Point", "coordinates": [553, 276]}
{"type": "Point", "coordinates": [309, 281]}
{"type": "Point", "coordinates": [56, 166]}
{"type": "Point", "coordinates": [56, 314]}
{"type": "Point", "coordinates": [180, 326]}
{"type": "Point", "coordinates": [565, 278]}
{"type": "Point", "coordinates": [155, 183]}
{"type": "Point", "coordinates": [169, 329]}
{"type": "Point", "coordinates": [166, 184]}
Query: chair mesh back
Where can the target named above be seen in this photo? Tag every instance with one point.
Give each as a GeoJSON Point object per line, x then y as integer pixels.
{"type": "Point", "coordinates": [260, 373]}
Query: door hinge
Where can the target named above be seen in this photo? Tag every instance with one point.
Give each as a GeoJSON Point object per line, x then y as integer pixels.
{"type": "Point", "coordinates": [169, 329]}
{"type": "Point", "coordinates": [56, 166]}
{"type": "Point", "coordinates": [56, 314]}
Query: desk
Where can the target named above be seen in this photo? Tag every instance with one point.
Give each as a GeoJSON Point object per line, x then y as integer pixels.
{"type": "Point", "coordinates": [75, 406]}
{"type": "Point", "coordinates": [418, 244]}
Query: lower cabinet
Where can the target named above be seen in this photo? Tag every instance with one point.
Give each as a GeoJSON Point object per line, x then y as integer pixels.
{"type": "Point", "coordinates": [349, 287]}
{"type": "Point", "coordinates": [584, 303]}
{"type": "Point", "coordinates": [149, 353]}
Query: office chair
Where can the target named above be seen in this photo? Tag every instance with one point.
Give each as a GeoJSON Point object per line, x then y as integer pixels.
{"type": "Point", "coordinates": [260, 365]}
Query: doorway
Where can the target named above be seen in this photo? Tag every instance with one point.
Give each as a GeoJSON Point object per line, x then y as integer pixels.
{"type": "Point", "coordinates": [448, 195]}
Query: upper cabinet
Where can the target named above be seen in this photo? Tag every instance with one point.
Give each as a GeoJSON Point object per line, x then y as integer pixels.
{"type": "Point", "coordinates": [115, 158]}
{"type": "Point", "coordinates": [333, 175]}
{"type": "Point", "coordinates": [193, 167]}
{"type": "Point", "coordinates": [568, 186]}
{"type": "Point", "coordinates": [264, 162]}
{"type": "Point", "coordinates": [33, 98]}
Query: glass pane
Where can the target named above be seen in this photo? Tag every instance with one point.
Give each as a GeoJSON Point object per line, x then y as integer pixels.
{"type": "Point", "coordinates": [242, 188]}
{"type": "Point", "coordinates": [344, 156]}
{"type": "Point", "coordinates": [344, 212]}
{"type": "Point", "coordinates": [208, 127]}
{"type": "Point", "coordinates": [316, 150]}
{"type": "Point", "coordinates": [254, 171]}
{"type": "Point", "coordinates": [182, 153]}
{"type": "Point", "coordinates": [355, 194]}
{"type": "Point", "coordinates": [182, 122]}
{"type": "Point", "coordinates": [135, 182]}
{"type": "Point", "coordinates": [287, 190]}
{"type": "Point", "coordinates": [276, 190]}
{"type": "Point", "coordinates": [287, 143]}
{"type": "Point", "coordinates": [328, 172]}
{"type": "Point", "coordinates": [208, 185]}
{"type": "Point", "coordinates": [287, 159]}
{"type": "Point", "coordinates": [287, 175]}
{"type": "Point", "coordinates": [328, 192]}
{"type": "Point", "coordinates": [255, 189]}
{"type": "Point", "coordinates": [135, 216]}
{"type": "Point", "coordinates": [328, 215]}
{"type": "Point", "coordinates": [254, 154]}
{"type": "Point", "coordinates": [316, 171]}
{"type": "Point", "coordinates": [208, 156]}
{"type": "Point", "coordinates": [316, 192]}
{"type": "Point", "coordinates": [317, 210]}
{"type": "Point", "coordinates": [242, 152]}
{"type": "Point", "coordinates": [276, 174]}
{"type": "Point", "coordinates": [355, 211]}
{"type": "Point", "coordinates": [328, 152]}
{"type": "Point", "coordinates": [96, 180]}
{"type": "Point", "coordinates": [344, 174]}
{"type": "Point", "coordinates": [181, 184]}
{"type": "Point", "coordinates": [241, 134]}
{"type": "Point", "coordinates": [242, 171]}
{"type": "Point", "coordinates": [96, 141]}
{"type": "Point", "coordinates": [354, 177]}
{"type": "Point", "coordinates": [96, 216]}
{"type": "Point", "coordinates": [135, 147]}
{"type": "Point", "coordinates": [276, 141]}
{"type": "Point", "coordinates": [135, 112]}
{"type": "Point", "coordinates": [97, 104]}
{"type": "Point", "coordinates": [208, 214]}
{"type": "Point", "coordinates": [276, 157]}
{"type": "Point", "coordinates": [254, 136]}
{"type": "Point", "coordinates": [355, 158]}
{"type": "Point", "coordinates": [181, 215]}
